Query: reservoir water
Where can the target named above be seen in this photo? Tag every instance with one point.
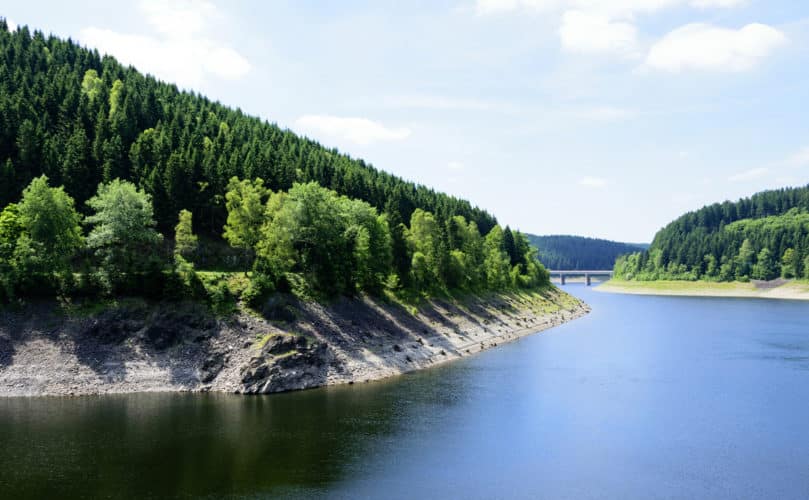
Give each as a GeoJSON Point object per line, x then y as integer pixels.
{"type": "Point", "coordinates": [646, 397]}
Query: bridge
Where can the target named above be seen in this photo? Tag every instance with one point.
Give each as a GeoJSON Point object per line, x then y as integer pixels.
{"type": "Point", "coordinates": [563, 275]}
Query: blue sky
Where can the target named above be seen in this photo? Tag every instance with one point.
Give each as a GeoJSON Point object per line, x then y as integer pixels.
{"type": "Point", "coordinates": [604, 118]}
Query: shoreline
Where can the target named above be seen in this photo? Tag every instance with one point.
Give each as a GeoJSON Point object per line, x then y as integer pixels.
{"type": "Point", "coordinates": [140, 347]}
{"type": "Point", "coordinates": [789, 290]}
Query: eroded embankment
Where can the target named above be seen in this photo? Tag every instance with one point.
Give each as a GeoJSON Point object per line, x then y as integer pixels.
{"type": "Point", "coordinates": [136, 346]}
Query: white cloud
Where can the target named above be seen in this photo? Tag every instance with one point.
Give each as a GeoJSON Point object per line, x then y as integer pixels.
{"type": "Point", "coordinates": [455, 165]}
{"type": "Point", "coordinates": [609, 8]}
{"type": "Point", "coordinates": [12, 26]}
{"type": "Point", "coordinates": [749, 175]}
{"type": "Point", "coordinates": [360, 131]}
{"type": "Point", "coordinates": [184, 51]}
{"type": "Point", "coordinates": [707, 4]}
{"type": "Point", "coordinates": [586, 32]}
{"type": "Point", "coordinates": [710, 48]}
{"type": "Point", "coordinates": [800, 158]}
{"type": "Point", "coordinates": [593, 182]}
{"type": "Point", "coordinates": [444, 103]}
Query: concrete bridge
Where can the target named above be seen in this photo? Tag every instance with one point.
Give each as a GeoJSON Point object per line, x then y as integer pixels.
{"type": "Point", "coordinates": [563, 275]}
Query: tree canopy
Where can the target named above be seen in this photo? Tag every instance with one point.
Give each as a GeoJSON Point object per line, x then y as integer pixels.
{"type": "Point", "coordinates": [761, 237]}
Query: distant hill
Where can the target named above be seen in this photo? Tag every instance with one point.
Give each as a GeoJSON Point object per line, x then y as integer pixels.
{"type": "Point", "coordinates": [565, 252]}
{"type": "Point", "coordinates": [761, 237]}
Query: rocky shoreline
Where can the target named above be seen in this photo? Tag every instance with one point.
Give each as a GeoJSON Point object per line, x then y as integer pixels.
{"type": "Point", "coordinates": [135, 346]}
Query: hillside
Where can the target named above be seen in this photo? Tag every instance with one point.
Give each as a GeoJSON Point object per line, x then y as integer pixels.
{"type": "Point", "coordinates": [80, 119]}
{"type": "Point", "coordinates": [564, 252]}
{"type": "Point", "coordinates": [762, 237]}
{"type": "Point", "coordinates": [112, 182]}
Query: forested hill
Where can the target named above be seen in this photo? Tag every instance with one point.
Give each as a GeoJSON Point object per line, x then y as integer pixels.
{"type": "Point", "coordinates": [761, 237]}
{"type": "Point", "coordinates": [95, 158]}
{"type": "Point", "coordinates": [82, 119]}
{"type": "Point", "coordinates": [564, 252]}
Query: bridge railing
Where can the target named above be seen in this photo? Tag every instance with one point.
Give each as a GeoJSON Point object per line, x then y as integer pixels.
{"type": "Point", "coordinates": [587, 273]}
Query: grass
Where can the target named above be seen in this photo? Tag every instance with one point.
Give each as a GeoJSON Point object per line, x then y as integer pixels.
{"type": "Point", "coordinates": [797, 289]}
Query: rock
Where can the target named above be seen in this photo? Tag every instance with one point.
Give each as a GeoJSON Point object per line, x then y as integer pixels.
{"type": "Point", "coordinates": [281, 344]}
{"type": "Point", "coordinates": [211, 368]}
{"type": "Point", "coordinates": [397, 348]}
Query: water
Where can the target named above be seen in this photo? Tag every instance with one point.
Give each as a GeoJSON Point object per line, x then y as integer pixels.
{"type": "Point", "coordinates": [647, 397]}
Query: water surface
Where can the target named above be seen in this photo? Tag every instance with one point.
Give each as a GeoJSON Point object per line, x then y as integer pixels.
{"type": "Point", "coordinates": [647, 397]}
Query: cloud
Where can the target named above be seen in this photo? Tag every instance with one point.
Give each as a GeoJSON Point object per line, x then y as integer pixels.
{"type": "Point", "coordinates": [183, 52]}
{"type": "Point", "coordinates": [610, 8]}
{"type": "Point", "coordinates": [360, 131]}
{"type": "Point", "coordinates": [800, 158]}
{"type": "Point", "coordinates": [444, 103]}
{"type": "Point", "coordinates": [586, 32]}
{"type": "Point", "coordinates": [707, 4]}
{"type": "Point", "coordinates": [455, 165]}
{"type": "Point", "coordinates": [710, 48]}
{"type": "Point", "coordinates": [749, 175]}
{"type": "Point", "coordinates": [12, 26]}
{"type": "Point", "coordinates": [593, 182]}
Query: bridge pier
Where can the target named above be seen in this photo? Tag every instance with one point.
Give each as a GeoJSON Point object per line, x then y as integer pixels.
{"type": "Point", "coordinates": [562, 277]}
{"type": "Point", "coordinates": [586, 279]}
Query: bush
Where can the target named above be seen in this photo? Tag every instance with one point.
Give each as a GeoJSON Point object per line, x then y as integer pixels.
{"type": "Point", "coordinates": [260, 287]}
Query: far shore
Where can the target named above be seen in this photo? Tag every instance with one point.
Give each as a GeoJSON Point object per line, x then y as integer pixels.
{"type": "Point", "coordinates": [780, 289]}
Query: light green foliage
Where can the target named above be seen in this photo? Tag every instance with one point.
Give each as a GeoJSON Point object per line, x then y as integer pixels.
{"type": "Point", "coordinates": [185, 241]}
{"type": "Point", "coordinates": [338, 245]}
{"type": "Point", "coordinates": [745, 259]}
{"type": "Point", "coordinates": [423, 241]}
{"type": "Point", "coordinates": [123, 233]}
{"type": "Point", "coordinates": [789, 263]}
{"type": "Point", "coordinates": [91, 84]}
{"type": "Point", "coordinates": [10, 230]}
{"type": "Point", "coordinates": [116, 98]}
{"type": "Point", "coordinates": [246, 212]}
{"type": "Point", "coordinates": [51, 232]}
{"type": "Point", "coordinates": [496, 262]}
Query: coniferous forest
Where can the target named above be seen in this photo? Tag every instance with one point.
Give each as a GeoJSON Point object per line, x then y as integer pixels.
{"type": "Point", "coordinates": [762, 237]}
{"type": "Point", "coordinates": [564, 252]}
{"type": "Point", "coordinates": [112, 181]}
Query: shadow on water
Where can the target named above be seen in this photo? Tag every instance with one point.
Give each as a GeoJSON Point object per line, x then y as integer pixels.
{"type": "Point", "coordinates": [175, 445]}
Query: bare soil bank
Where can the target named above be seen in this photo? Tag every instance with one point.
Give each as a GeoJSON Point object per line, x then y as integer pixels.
{"type": "Point", "coordinates": [136, 346]}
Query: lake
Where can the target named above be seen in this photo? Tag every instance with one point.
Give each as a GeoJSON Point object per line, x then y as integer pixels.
{"type": "Point", "coordinates": [646, 397]}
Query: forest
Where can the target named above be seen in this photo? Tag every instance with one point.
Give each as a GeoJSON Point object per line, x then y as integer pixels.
{"type": "Point", "coordinates": [564, 252]}
{"type": "Point", "coordinates": [114, 182]}
{"type": "Point", "coordinates": [763, 237]}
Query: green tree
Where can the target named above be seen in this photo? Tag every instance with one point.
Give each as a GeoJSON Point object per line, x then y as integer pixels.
{"type": "Point", "coordinates": [764, 269]}
{"type": "Point", "coordinates": [744, 260]}
{"type": "Point", "coordinates": [185, 241]}
{"type": "Point", "coordinates": [51, 232]}
{"type": "Point", "coordinates": [123, 231]}
{"type": "Point", "coordinates": [337, 245]}
{"type": "Point", "coordinates": [245, 206]}
{"type": "Point", "coordinates": [423, 238]}
{"type": "Point", "coordinates": [789, 269]}
{"type": "Point", "coordinates": [497, 262]}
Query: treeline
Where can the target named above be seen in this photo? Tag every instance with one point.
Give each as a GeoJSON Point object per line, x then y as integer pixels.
{"type": "Point", "coordinates": [308, 239]}
{"type": "Point", "coordinates": [565, 252]}
{"type": "Point", "coordinates": [82, 119]}
{"type": "Point", "coordinates": [761, 237]}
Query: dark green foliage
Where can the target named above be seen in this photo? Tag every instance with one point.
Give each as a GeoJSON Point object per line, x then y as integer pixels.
{"type": "Point", "coordinates": [561, 252]}
{"type": "Point", "coordinates": [761, 237]}
{"type": "Point", "coordinates": [314, 219]}
{"type": "Point", "coordinates": [82, 119]}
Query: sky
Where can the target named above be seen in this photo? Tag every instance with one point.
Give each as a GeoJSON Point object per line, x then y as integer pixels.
{"type": "Point", "coordinates": [604, 118]}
